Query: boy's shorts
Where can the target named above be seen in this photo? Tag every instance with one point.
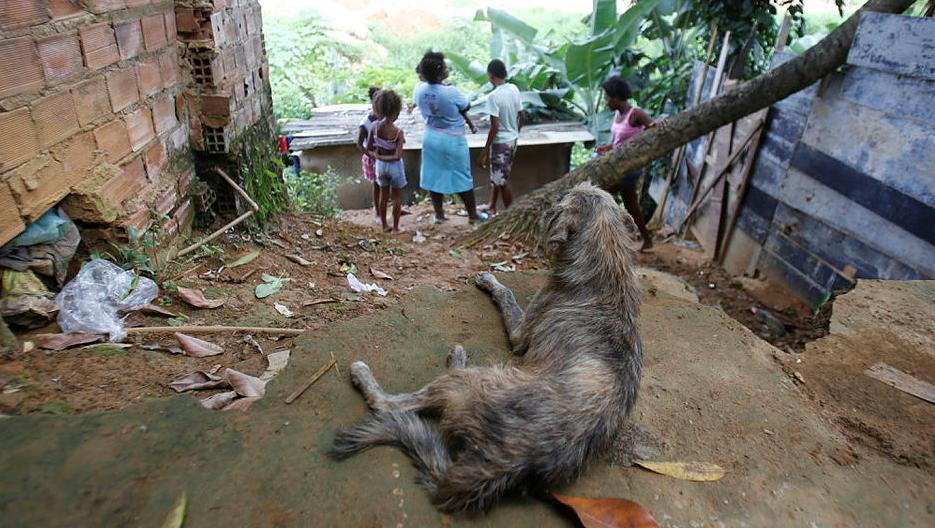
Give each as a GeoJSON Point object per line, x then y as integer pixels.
{"type": "Point", "coordinates": [501, 162]}
{"type": "Point", "coordinates": [391, 174]}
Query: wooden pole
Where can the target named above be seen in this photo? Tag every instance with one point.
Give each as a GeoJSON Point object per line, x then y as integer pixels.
{"type": "Point", "coordinates": [304, 387]}
{"type": "Point", "coordinates": [253, 209]}
{"type": "Point", "coordinates": [215, 330]}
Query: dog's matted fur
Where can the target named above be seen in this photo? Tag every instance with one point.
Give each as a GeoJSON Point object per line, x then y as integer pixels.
{"type": "Point", "coordinates": [537, 422]}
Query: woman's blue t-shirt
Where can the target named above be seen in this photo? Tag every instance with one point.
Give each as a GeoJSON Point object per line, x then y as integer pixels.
{"type": "Point", "coordinates": [441, 106]}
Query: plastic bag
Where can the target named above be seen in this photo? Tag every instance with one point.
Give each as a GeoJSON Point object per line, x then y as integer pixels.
{"type": "Point", "coordinates": [94, 300]}
{"type": "Point", "coordinates": [362, 287]}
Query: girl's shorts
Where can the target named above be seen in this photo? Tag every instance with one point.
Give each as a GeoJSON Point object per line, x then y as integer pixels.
{"type": "Point", "coordinates": [391, 174]}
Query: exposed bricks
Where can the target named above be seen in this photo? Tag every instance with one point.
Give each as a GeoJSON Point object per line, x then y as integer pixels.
{"type": "Point", "coordinates": [166, 201]}
{"type": "Point", "coordinates": [156, 161]}
{"type": "Point", "coordinates": [17, 138]}
{"type": "Point", "coordinates": [185, 180]}
{"type": "Point", "coordinates": [55, 118]}
{"type": "Point", "coordinates": [149, 77]}
{"type": "Point", "coordinates": [130, 181]}
{"type": "Point", "coordinates": [185, 20]}
{"type": "Point", "coordinates": [98, 46]}
{"type": "Point", "coordinates": [10, 222]}
{"type": "Point", "coordinates": [37, 186]}
{"type": "Point", "coordinates": [164, 114]}
{"type": "Point", "coordinates": [91, 101]}
{"type": "Point", "coordinates": [60, 55]}
{"type": "Point", "coordinates": [63, 9]}
{"type": "Point", "coordinates": [139, 221]}
{"type": "Point", "coordinates": [121, 85]}
{"type": "Point", "coordinates": [21, 13]}
{"type": "Point", "coordinates": [169, 67]}
{"type": "Point", "coordinates": [184, 214]}
{"type": "Point", "coordinates": [171, 30]}
{"type": "Point", "coordinates": [113, 139]}
{"type": "Point", "coordinates": [76, 156]}
{"type": "Point", "coordinates": [103, 6]}
{"type": "Point", "coordinates": [129, 39]}
{"type": "Point", "coordinates": [154, 32]}
{"type": "Point", "coordinates": [19, 62]}
{"type": "Point", "coordinates": [216, 105]}
{"type": "Point", "coordinates": [140, 128]}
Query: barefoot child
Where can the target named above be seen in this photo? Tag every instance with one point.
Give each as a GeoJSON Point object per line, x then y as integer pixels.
{"type": "Point", "coordinates": [367, 163]}
{"type": "Point", "coordinates": [386, 146]}
{"type": "Point", "coordinates": [506, 120]}
{"type": "Point", "coordinates": [628, 122]}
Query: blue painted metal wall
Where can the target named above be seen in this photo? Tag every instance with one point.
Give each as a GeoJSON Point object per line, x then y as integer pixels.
{"type": "Point", "coordinates": [844, 181]}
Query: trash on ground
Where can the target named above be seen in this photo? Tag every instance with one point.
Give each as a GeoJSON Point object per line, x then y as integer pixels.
{"type": "Point", "coordinates": [698, 471]}
{"type": "Point", "coordinates": [45, 247]}
{"type": "Point", "coordinates": [196, 298]}
{"type": "Point", "coordinates": [319, 232]}
{"type": "Point", "coordinates": [269, 286]}
{"type": "Point", "coordinates": [250, 340]}
{"type": "Point", "coordinates": [361, 287]}
{"type": "Point", "coordinates": [198, 380]}
{"type": "Point", "coordinates": [520, 257]}
{"type": "Point", "coordinates": [63, 341]}
{"type": "Point", "coordinates": [418, 238]}
{"type": "Point", "coordinates": [198, 347]}
{"type": "Point", "coordinates": [454, 253]}
{"type": "Point", "coordinates": [502, 266]}
{"type": "Point", "coordinates": [299, 260]}
{"type": "Point", "coordinates": [348, 268]}
{"type": "Point", "coordinates": [608, 512]}
{"type": "Point", "coordinates": [176, 516]}
{"type": "Point", "coordinates": [156, 347]}
{"type": "Point", "coordinates": [24, 299]}
{"type": "Point", "coordinates": [380, 275]}
{"type": "Point", "coordinates": [687, 244]}
{"type": "Point", "coordinates": [767, 318]}
{"type": "Point", "coordinates": [283, 310]}
{"type": "Point", "coordinates": [93, 300]}
{"type": "Point", "coordinates": [246, 259]}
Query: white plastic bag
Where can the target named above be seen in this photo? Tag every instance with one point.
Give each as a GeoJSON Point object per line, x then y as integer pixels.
{"type": "Point", "coordinates": [96, 298]}
{"type": "Point", "coordinates": [361, 287]}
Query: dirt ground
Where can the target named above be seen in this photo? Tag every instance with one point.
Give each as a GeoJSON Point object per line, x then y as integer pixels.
{"type": "Point", "coordinates": [103, 377]}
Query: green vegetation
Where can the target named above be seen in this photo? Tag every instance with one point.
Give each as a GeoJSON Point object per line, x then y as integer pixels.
{"type": "Point", "coordinates": [313, 192]}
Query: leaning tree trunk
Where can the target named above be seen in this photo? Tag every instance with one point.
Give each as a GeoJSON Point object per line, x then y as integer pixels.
{"type": "Point", "coordinates": [521, 220]}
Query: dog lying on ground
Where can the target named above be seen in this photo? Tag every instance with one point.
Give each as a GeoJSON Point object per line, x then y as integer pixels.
{"type": "Point", "coordinates": [538, 422]}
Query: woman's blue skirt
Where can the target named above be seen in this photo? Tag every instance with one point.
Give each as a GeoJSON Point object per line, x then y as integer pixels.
{"type": "Point", "coordinates": [446, 163]}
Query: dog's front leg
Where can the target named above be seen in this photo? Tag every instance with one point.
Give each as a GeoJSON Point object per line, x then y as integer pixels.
{"type": "Point", "coordinates": [509, 309]}
{"type": "Point", "coordinates": [378, 400]}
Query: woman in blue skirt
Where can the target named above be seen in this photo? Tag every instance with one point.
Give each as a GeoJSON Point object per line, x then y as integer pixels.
{"type": "Point", "coordinates": [446, 161]}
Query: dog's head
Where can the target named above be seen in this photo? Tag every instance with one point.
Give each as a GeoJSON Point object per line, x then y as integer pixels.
{"type": "Point", "coordinates": [585, 210]}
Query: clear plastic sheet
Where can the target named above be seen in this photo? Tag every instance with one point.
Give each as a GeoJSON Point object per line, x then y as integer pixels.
{"type": "Point", "coordinates": [96, 299]}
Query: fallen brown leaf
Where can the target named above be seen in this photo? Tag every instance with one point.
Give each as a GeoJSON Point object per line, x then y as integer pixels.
{"type": "Point", "coordinates": [699, 471]}
{"type": "Point", "coordinates": [245, 385]}
{"type": "Point", "coordinates": [609, 512]}
{"type": "Point", "coordinates": [197, 298]}
{"type": "Point", "coordinates": [197, 347]}
{"type": "Point", "coordinates": [134, 320]}
{"type": "Point", "coordinates": [198, 380]}
{"type": "Point", "coordinates": [63, 341]}
{"type": "Point", "coordinates": [156, 309]}
{"type": "Point", "coordinates": [299, 260]}
{"type": "Point", "coordinates": [379, 274]}
{"type": "Point", "coordinates": [218, 401]}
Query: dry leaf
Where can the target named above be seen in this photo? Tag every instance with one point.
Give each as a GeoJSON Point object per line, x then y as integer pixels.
{"type": "Point", "coordinates": [197, 347]}
{"type": "Point", "coordinates": [700, 471]}
{"type": "Point", "coordinates": [609, 512]}
{"type": "Point", "coordinates": [156, 309]}
{"type": "Point", "coordinates": [249, 257]}
{"type": "Point", "coordinates": [218, 401]}
{"type": "Point", "coordinates": [245, 385]}
{"type": "Point", "coordinates": [63, 341]}
{"type": "Point", "coordinates": [176, 517]}
{"type": "Point", "coordinates": [134, 320]}
{"type": "Point", "coordinates": [379, 274]}
{"type": "Point", "coordinates": [275, 363]}
{"type": "Point", "coordinates": [240, 404]}
{"type": "Point", "coordinates": [197, 298]}
{"type": "Point", "coordinates": [299, 260]}
{"type": "Point", "coordinates": [198, 380]}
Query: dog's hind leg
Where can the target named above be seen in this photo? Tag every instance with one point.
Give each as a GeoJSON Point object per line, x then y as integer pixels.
{"type": "Point", "coordinates": [457, 358]}
{"type": "Point", "coordinates": [378, 400]}
{"type": "Point", "coordinates": [512, 314]}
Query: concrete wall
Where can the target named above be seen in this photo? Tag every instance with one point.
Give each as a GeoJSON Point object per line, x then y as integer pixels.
{"type": "Point", "coordinates": [844, 181]}
{"type": "Point", "coordinates": [534, 166]}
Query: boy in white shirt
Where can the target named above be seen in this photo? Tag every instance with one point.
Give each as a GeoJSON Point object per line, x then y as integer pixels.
{"type": "Point", "coordinates": [506, 120]}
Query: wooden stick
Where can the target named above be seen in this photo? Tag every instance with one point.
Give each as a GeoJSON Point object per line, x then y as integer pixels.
{"type": "Point", "coordinates": [253, 209]}
{"type": "Point", "coordinates": [902, 381]}
{"type": "Point", "coordinates": [214, 330]}
{"type": "Point", "coordinates": [298, 392]}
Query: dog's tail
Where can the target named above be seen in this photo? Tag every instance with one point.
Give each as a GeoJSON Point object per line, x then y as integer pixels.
{"type": "Point", "coordinates": [420, 441]}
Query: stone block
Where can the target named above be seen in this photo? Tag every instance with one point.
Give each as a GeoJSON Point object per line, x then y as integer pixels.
{"type": "Point", "coordinates": [156, 161]}
{"type": "Point", "coordinates": [91, 100]}
{"type": "Point", "coordinates": [60, 9]}
{"type": "Point", "coordinates": [10, 222]}
{"type": "Point", "coordinates": [98, 45]}
{"type": "Point", "coordinates": [55, 118]}
{"type": "Point", "coordinates": [122, 86]}
{"type": "Point", "coordinates": [76, 156]}
{"type": "Point", "coordinates": [140, 128]}
{"type": "Point", "coordinates": [37, 186]}
{"type": "Point", "coordinates": [61, 56]}
{"type": "Point", "coordinates": [113, 139]}
{"type": "Point", "coordinates": [154, 32]}
{"type": "Point", "coordinates": [127, 184]}
{"type": "Point", "coordinates": [22, 70]}
{"type": "Point", "coordinates": [164, 114]}
{"type": "Point", "coordinates": [149, 77]}
{"type": "Point", "coordinates": [22, 13]}
{"type": "Point", "coordinates": [129, 39]}
{"type": "Point", "coordinates": [17, 138]}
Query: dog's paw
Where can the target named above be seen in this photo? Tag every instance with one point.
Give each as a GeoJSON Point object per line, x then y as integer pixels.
{"type": "Point", "coordinates": [457, 358]}
{"type": "Point", "coordinates": [486, 281]}
{"type": "Point", "coordinates": [360, 374]}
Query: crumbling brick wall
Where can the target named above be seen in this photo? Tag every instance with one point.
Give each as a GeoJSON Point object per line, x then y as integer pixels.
{"type": "Point", "coordinates": [101, 104]}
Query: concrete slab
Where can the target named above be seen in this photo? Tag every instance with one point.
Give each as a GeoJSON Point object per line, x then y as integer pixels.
{"type": "Point", "coordinates": [710, 392]}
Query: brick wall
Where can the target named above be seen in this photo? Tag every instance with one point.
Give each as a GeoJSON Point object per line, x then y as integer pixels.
{"type": "Point", "coordinates": [88, 112]}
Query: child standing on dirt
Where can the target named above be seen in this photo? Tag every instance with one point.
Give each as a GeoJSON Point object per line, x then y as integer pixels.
{"type": "Point", "coordinates": [386, 146]}
{"type": "Point", "coordinates": [629, 121]}
{"type": "Point", "coordinates": [506, 120]}
{"type": "Point", "coordinates": [367, 163]}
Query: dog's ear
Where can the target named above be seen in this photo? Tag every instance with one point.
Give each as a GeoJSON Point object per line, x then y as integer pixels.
{"type": "Point", "coordinates": [628, 223]}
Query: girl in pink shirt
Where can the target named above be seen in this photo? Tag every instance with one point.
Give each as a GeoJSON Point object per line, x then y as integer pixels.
{"type": "Point", "coordinates": [628, 122]}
